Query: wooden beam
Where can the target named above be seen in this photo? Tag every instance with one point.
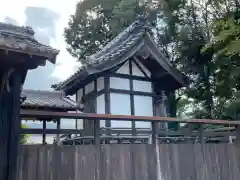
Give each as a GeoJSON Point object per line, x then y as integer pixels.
{"type": "Point", "coordinates": [140, 93]}
{"type": "Point", "coordinates": [51, 131]}
{"type": "Point", "coordinates": [133, 77]}
{"type": "Point", "coordinates": [139, 67]}
{"type": "Point", "coordinates": [47, 114]}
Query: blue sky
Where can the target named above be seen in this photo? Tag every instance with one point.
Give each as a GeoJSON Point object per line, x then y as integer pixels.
{"type": "Point", "coordinates": [48, 18]}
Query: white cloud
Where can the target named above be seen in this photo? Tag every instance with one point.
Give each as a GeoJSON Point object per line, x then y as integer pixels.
{"type": "Point", "coordinates": [66, 64]}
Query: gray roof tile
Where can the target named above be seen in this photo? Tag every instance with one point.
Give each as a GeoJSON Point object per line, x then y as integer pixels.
{"type": "Point", "coordinates": [21, 39]}
{"type": "Point", "coordinates": [48, 99]}
{"type": "Point", "coordinates": [114, 53]}
{"type": "Point", "coordinates": [111, 52]}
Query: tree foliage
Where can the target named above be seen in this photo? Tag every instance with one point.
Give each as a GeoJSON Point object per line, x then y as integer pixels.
{"type": "Point", "coordinates": [199, 37]}
{"type": "Point", "coordinates": [96, 22]}
{"type": "Point", "coordinates": [24, 137]}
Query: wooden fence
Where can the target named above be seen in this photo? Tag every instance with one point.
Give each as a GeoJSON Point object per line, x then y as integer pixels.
{"type": "Point", "coordinates": [129, 162]}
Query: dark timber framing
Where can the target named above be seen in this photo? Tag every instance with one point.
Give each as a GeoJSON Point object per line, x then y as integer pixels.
{"type": "Point", "coordinates": [107, 99]}
{"type": "Point", "coordinates": [132, 98]}
{"type": "Point", "coordinates": [107, 90]}
{"type": "Point", "coordinates": [134, 60]}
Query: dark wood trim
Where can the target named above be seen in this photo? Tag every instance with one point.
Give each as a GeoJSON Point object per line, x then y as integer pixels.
{"type": "Point", "coordinates": [58, 128]}
{"type": "Point", "coordinates": [121, 91]}
{"type": "Point", "coordinates": [44, 132]}
{"type": "Point", "coordinates": [97, 132]}
{"type": "Point", "coordinates": [95, 85]}
{"type": "Point", "coordinates": [93, 95]}
{"type": "Point", "coordinates": [76, 97]}
{"type": "Point", "coordinates": [154, 132]}
{"type": "Point", "coordinates": [139, 67]}
{"type": "Point", "coordinates": [93, 81]}
{"type": "Point", "coordinates": [132, 99]}
{"type": "Point", "coordinates": [133, 77]}
{"type": "Point", "coordinates": [93, 116]}
{"type": "Point", "coordinates": [163, 62]}
{"type": "Point", "coordinates": [115, 69]}
{"type": "Point", "coordinates": [201, 134]}
{"type": "Point", "coordinates": [153, 99]}
{"type": "Point", "coordinates": [13, 135]}
{"type": "Point", "coordinates": [107, 99]}
{"type": "Point", "coordinates": [83, 95]}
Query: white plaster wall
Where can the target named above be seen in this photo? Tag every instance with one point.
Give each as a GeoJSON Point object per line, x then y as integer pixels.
{"type": "Point", "coordinates": [101, 108]}
{"type": "Point", "coordinates": [143, 86]}
{"type": "Point", "coordinates": [119, 83]}
{"type": "Point", "coordinates": [124, 69]}
{"type": "Point", "coordinates": [120, 105]}
{"type": "Point", "coordinates": [143, 107]}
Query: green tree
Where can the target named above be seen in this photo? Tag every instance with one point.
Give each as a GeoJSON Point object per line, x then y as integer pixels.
{"type": "Point", "coordinates": [199, 37]}
{"type": "Point", "coordinates": [224, 44]}
{"type": "Point", "coordinates": [96, 22]}
{"type": "Point", "coordinates": [24, 137]}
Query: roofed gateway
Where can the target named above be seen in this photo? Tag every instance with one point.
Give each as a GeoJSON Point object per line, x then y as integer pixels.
{"type": "Point", "coordinates": [129, 76]}
{"type": "Point", "coordinates": [19, 52]}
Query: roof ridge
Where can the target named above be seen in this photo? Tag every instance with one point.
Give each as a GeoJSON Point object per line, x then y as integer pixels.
{"type": "Point", "coordinates": [125, 39]}
{"type": "Point", "coordinates": [20, 29]}
{"type": "Point", "coordinates": [140, 22]}
{"type": "Point", "coordinates": [42, 91]}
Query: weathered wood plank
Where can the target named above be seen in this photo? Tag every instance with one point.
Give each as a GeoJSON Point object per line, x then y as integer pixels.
{"type": "Point", "coordinates": [129, 162]}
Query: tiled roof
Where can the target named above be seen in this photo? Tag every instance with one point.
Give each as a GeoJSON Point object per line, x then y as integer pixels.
{"type": "Point", "coordinates": [21, 39]}
{"type": "Point", "coordinates": [47, 99]}
{"type": "Point", "coordinates": [117, 51]}
{"type": "Point", "coordinates": [116, 48]}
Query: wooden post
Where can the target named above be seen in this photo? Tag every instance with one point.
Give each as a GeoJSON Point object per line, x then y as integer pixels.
{"type": "Point", "coordinates": [201, 134]}
{"type": "Point", "coordinates": [107, 104]}
{"type": "Point", "coordinates": [58, 128]}
{"type": "Point", "coordinates": [44, 133]}
{"type": "Point", "coordinates": [10, 125]}
{"type": "Point", "coordinates": [237, 145]}
{"type": "Point", "coordinates": [98, 148]}
{"type": "Point", "coordinates": [132, 100]}
{"type": "Point", "coordinates": [160, 110]}
{"type": "Point", "coordinates": [154, 132]}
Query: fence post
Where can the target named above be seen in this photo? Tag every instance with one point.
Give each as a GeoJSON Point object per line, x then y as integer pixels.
{"type": "Point", "coordinates": [237, 145]}
{"type": "Point", "coordinates": [44, 132]}
{"type": "Point", "coordinates": [160, 111]}
{"type": "Point", "coordinates": [58, 128]}
{"type": "Point", "coordinates": [201, 134]}
{"type": "Point", "coordinates": [97, 142]}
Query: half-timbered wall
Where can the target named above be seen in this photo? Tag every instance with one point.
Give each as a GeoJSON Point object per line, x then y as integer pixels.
{"type": "Point", "coordinates": [127, 91]}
